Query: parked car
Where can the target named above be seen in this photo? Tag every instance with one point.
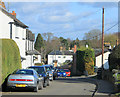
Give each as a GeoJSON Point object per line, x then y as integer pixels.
{"type": "Point", "coordinates": [49, 70]}
{"type": "Point", "coordinates": [55, 73]}
{"type": "Point", "coordinates": [41, 70]}
{"type": "Point", "coordinates": [68, 73]}
{"type": "Point", "coordinates": [61, 73]}
{"type": "Point", "coordinates": [24, 78]}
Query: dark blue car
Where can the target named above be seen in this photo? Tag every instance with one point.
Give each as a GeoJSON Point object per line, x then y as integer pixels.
{"type": "Point", "coordinates": [61, 73]}
{"type": "Point", "coordinates": [41, 70]}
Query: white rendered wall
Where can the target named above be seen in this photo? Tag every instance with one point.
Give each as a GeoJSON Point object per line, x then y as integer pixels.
{"type": "Point", "coordinates": [60, 58]}
{"type": "Point", "coordinates": [38, 60]}
{"type": "Point", "coordinates": [99, 59]}
{"type": "Point", "coordinates": [18, 32]}
{"type": "Point", "coordinates": [4, 26]}
{"type": "Point", "coordinates": [28, 62]}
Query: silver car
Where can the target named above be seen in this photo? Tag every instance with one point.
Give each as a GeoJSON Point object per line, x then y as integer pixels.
{"type": "Point", "coordinates": [24, 78]}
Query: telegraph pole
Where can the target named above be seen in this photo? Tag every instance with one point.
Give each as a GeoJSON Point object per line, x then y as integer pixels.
{"type": "Point", "coordinates": [102, 37]}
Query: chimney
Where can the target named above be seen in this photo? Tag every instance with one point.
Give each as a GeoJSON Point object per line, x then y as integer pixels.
{"type": "Point", "coordinates": [2, 4]}
{"type": "Point", "coordinates": [13, 13]}
{"type": "Point", "coordinates": [75, 48]}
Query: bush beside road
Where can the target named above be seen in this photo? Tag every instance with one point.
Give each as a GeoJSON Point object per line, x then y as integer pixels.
{"type": "Point", "coordinates": [10, 58]}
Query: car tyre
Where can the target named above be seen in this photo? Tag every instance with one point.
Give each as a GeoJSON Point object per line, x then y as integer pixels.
{"type": "Point", "coordinates": [45, 84]}
{"type": "Point", "coordinates": [36, 88]}
{"type": "Point", "coordinates": [53, 77]}
{"type": "Point", "coordinates": [48, 82]}
{"type": "Point", "coordinates": [40, 86]}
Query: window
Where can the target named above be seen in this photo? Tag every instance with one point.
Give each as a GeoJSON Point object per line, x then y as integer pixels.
{"type": "Point", "coordinates": [23, 36]}
{"type": "Point", "coordinates": [16, 32]}
{"type": "Point", "coordinates": [25, 72]}
{"type": "Point", "coordinates": [64, 56]}
{"type": "Point", "coordinates": [59, 56]}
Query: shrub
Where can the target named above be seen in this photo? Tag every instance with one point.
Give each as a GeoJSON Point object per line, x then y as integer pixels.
{"type": "Point", "coordinates": [114, 58]}
{"type": "Point", "coordinates": [10, 57]}
{"type": "Point", "coordinates": [38, 64]}
{"type": "Point", "coordinates": [85, 60]}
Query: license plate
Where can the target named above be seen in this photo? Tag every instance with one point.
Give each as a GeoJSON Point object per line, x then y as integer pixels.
{"type": "Point", "coordinates": [20, 85]}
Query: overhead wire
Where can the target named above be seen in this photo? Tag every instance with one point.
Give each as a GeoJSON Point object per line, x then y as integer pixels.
{"type": "Point", "coordinates": [104, 31]}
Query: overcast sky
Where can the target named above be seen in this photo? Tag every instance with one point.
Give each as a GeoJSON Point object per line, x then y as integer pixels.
{"type": "Point", "coordinates": [66, 19]}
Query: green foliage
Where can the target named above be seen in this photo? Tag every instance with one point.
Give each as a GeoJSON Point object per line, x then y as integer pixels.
{"type": "Point", "coordinates": [39, 42]}
{"type": "Point", "coordinates": [111, 38]}
{"type": "Point", "coordinates": [64, 42]}
{"type": "Point", "coordinates": [85, 60]}
{"type": "Point", "coordinates": [10, 57]}
{"type": "Point", "coordinates": [114, 58]}
{"type": "Point", "coordinates": [38, 64]}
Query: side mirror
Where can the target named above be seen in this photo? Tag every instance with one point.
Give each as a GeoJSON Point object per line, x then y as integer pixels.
{"type": "Point", "coordinates": [40, 75]}
{"type": "Point", "coordinates": [48, 73]}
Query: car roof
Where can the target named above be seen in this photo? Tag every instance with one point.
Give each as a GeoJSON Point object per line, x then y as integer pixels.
{"type": "Point", "coordinates": [46, 65]}
{"type": "Point", "coordinates": [36, 66]}
{"type": "Point", "coordinates": [27, 69]}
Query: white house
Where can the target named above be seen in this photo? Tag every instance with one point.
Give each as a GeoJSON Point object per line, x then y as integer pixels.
{"type": "Point", "coordinates": [12, 28]}
{"type": "Point", "coordinates": [98, 58]}
{"type": "Point", "coordinates": [60, 56]}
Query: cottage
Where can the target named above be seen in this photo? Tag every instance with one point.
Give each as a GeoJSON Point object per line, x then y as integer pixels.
{"type": "Point", "coordinates": [12, 28]}
{"type": "Point", "coordinates": [60, 56]}
{"type": "Point", "coordinates": [98, 58]}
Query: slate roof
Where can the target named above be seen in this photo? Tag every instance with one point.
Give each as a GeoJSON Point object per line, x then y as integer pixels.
{"type": "Point", "coordinates": [33, 52]}
{"type": "Point", "coordinates": [16, 21]}
{"type": "Point", "coordinates": [61, 53]}
{"type": "Point", "coordinates": [99, 51]}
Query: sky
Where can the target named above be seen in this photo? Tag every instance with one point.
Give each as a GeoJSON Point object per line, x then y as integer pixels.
{"type": "Point", "coordinates": [66, 19]}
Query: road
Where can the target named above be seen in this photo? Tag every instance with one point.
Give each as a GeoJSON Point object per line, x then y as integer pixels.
{"type": "Point", "coordinates": [63, 86]}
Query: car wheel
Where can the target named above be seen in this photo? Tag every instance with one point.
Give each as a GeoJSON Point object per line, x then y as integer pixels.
{"type": "Point", "coordinates": [48, 82]}
{"type": "Point", "coordinates": [8, 89]}
{"type": "Point", "coordinates": [45, 84]}
{"type": "Point", "coordinates": [36, 88]}
{"type": "Point", "coordinates": [53, 77]}
{"type": "Point", "coordinates": [40, 86]}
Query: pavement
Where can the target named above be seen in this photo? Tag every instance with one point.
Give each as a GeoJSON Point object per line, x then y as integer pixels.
{"type": "Point", "coordinates": [103, 87]}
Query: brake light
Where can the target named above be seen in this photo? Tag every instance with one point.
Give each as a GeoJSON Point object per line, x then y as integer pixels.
{"type": "Point", "coordinates": [12, 79]}
{"type": "Point", "coordinates": [29, 80]}
{"type": "Point", "coordinates": [21, 80]}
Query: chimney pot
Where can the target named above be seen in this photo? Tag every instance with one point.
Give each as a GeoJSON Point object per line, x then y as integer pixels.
{"type": "Point", "coordinates": [13, 13]}
{"type": "Point", "coordinates": [75, 48]}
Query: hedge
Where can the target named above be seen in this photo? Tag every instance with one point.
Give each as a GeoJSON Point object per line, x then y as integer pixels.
{"type": "Point", "coordinates": [38, 64]}
{"type": "Point", "coordinates": [10, 57]}
{"type": "Point", "coordinates": [85, 60]}
{"type": "Point", "coordinates": [114, 58]}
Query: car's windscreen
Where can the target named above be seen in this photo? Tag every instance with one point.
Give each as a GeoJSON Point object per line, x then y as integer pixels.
{"type": "Point", "coordinates": [40, 70]}
{"type": "Point", "coordinates": [48, 68]}
{"type": "Point", "coordinates": [66, 70]}
{"type": "Point", "coordinates": [61, 70]}
{"type": "Point", "coordinates": [25, 72]}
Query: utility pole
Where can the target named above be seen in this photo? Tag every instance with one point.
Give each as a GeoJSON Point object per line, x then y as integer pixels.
{"type": "Point", "coordinates": [102, 37]}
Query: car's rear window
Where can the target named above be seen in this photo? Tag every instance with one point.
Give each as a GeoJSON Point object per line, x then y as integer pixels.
{"type": "Point", "coordinates": [48, 68]}
{"type": "Point", "coordinates": [40, 70]}
{"type": "Point", "coordinates": [25, 72]}
{"type": "Point", "coordinates": [67, 70]}
{"type": "Point", "coordinates": [61, 70]}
